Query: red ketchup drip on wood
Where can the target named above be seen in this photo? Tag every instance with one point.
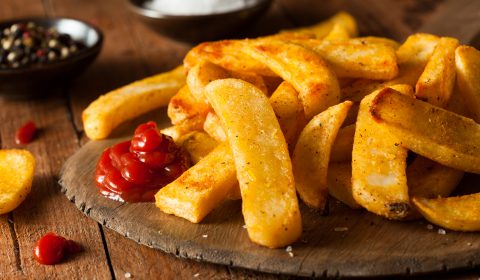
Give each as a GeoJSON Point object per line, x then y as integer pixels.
{"type": "Point", "coordinates": [51, 248]}
{"type": "Point", "coordinates": [133, 171]}
{"type": "Point", "coordinates": [26, 133]}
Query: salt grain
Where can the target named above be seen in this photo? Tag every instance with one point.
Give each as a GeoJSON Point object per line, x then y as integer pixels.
{"type": "Point", "coordinates": [205, 235]}
{"type": "Point", "coordinates": [469, 244]}
{"type": "Point", "coordinates": [429, 227]}
{"type": "Point", "coordinates": [288, 249]}
{"type": "Point", "coordinates": [128, 275]}
{"type": "Point", "coordinates": [196, 275]}
{"type": "Point", "coordinates": [291, 254]}
{"type": "Point", "coordinates": [441, 231]}
{"type": "Point", "coordinates": [244, 226]}
{"type": "Point", "coordinates": [340, 229]}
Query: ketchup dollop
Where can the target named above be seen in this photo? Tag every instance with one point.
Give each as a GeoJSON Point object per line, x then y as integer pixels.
{"type": "Point", "coordinates": [52, 248]}
{"type": "Point", "coordinates": [133, 171]}
{"type": "Point", "coordinates": [26, 133]}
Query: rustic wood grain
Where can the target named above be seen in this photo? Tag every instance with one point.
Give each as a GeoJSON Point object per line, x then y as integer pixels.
{"type": "Point", "coordinates": [372, 246]}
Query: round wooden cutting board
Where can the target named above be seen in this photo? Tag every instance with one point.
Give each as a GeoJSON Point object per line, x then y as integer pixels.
{"type": "Point", "coordinates": [343, 243]}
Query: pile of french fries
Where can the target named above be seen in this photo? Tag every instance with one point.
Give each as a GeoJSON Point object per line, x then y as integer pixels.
{"type": "Point", "coordinates": [316, 111]}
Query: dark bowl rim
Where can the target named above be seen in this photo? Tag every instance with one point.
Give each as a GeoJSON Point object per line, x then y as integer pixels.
{"type": "Point", "coordinates": [155, 14]}
{"type": "Point", "coordinates": [88, 51]}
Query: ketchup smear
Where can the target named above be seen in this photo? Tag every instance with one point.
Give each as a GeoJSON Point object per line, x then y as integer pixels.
{"type": "Point", "coordinates": [51, 248]}
{"type": "Point", "coordinates": [26, 133]}
{"type": "Point", "coordinates": [133, 171]}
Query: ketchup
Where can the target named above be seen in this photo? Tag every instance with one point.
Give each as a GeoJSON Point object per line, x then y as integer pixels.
{"type": "Point", "coordinates": [26, 133]}
{"type": "Point", "coordinates": [51, 248]}
{"type": "Point", "coordinates": [133, 171]}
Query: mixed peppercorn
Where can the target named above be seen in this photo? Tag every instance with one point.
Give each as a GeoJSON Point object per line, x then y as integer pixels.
{"type": "Point", "coordinates": [23, 44]}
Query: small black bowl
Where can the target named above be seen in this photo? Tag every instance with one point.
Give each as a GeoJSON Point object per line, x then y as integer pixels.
{"type": "Point", "coordinates": [40, 79]}
{"type": "Point", "coordinates": [197, 28]}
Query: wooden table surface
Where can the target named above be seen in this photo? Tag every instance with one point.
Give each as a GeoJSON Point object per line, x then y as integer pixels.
{"type": "Point", "coordinates": [131, 51]}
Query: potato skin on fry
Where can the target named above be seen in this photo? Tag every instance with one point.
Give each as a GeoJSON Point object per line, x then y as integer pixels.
{"type": "Point", "coordinates": [312, 154]}
{"type": "Point", "coordinates": [455, 213]}
{"type": "Point", "coordinates": [130, 101]}
{"type": "Point", "coordinates": [445, 137]}
{"type": "Point", "coordinates": [264, 171]}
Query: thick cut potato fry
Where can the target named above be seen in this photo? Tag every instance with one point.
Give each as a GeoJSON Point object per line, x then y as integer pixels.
{"type": "Point", "coordinates": [16, 176]}
{"type": "Point", "coordinates": [379, 180]}
{"type": "Point", "coordinates": [198, 145]}
{"type": "Point", "coordinates": [199, 190]}
{"type": "Point", "coordinates": [443, 136]}
{"type": "Point", "coordinates": [435, 85]}
{"type": "Point", "coordinates": [289, 111]}
{"type": "Point", "coordinates": [455, 213]}
{"type": "Point", "coordinates": [338, 33]}
{"type": "Point", "coordinates": [214, 127]}
{"type": "Point", "coordinates": [312, 154]}
{"type": "Point", "coordinates": [350, 59]}
{"type": "Point", "coordinates": [343, 145]}
{"type": "Point", "coordinates": [130, 101]}
{"type": "Point", "coordinates": [467, 61]}
{"type": "Point", "coordinates": [316, 84]}
{"type": "Point", "coordinates": [340, 183]}
{"type": "Point", "coordinates": [200, 75]}
{"type": "Point", "coordinates": [228, 54]}
{"type": "Point", "coordinates": [264, 171]}
{"type": "Point", "coordinates": [186, 112]}
{"type": "Point", "coordinates": [322, 29]}
{"type": "Point", "coordinates": [429, 179]}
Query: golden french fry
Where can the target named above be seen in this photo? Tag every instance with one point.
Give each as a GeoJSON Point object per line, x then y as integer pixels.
{"type": "Point", "coordinates": [130, 101]}
{"type": "Point", "coordinates": [186, 112]}
{"type": "Point", "coordinates": [322, 29]}
{"type": "Point", "coordinates": [16, 176]}
{"type": "Point", "coordinates": [198, 145]}
{"type": "Point", "coordinates": [352, 59]}
{"type": "Point", "coordinates": [443, 136]}
{"type": "Point", "coordinates": [228, 54]}
{"type": "Point", "coordinates": [340, 183]}
{"type": "Point", "coordinates": [252, 78]}
{"type": "Point", "coordinates": [429, 179]}
{"type": "Point", "coordinates": [199, 190]}
{"type": "Point", "coordinates": [455, 213]}
{"type": "Point", "coordinates": [312, 154]}
{"type": "Point", "coordinates": [467, 61]}
{"type": "Point", "coordinates": [214, 127]}
{"type": "Point", "coordinates": [200, 75]}
{"type": "Point", "coordinates": [343, 145]}
{"type": "Point", "coordinates": [316, 84]}
{"type": "Point", "coordinates": [269, 202]}
{"type": "Point", "coordinates": [338, 33]}
{"type": "Point", "coordinates": [376, 40]}
{"type": "Point", "coordinates": [289, 111]}
{"type": "Point", "coordinates": [173, 131]}
{"type": "Point", "coordinates": [379, 180]}
{"type": "Point", "coordinates": [435, 85]}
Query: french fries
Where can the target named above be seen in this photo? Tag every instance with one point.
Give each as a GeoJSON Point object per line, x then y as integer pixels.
{"type": "Point", "coordinates": [200, 75]}
{"type": "Point", "coordinates": [455, 213]}
{"type": "Point", "coordinates": [186, 112]}
{"type": "Point", "coordinates": [324, 28]}
{"type": "Point", "coordinates": [130, 101]}
{"type": "Point", "coordinates": [213, 126]}
{"type": "Point", "coordinates": [16, 176]}
{"type": "Point", "coordinates": [269, 202]}
{"type": "Point", "coordinates": [380, 183]}
{"type": "Point", "coordinates": [312, 155]}
{"type": "Point", "coordinates": [343, 145]}
{"type": "Point", "coordinates": [199, 190]}
{"type": "Point", "coordinates": [316, 84]}
{"type": "Point", "coordinates": [435, 85]}
{"type": "Point", "coordinates": [467, 61]}
{"type": "Point", "coordinates": [444, 137]}
{"type": "Point", "coordinates": [340, 183]}
{"type": "Point", "coordinates": [198, 145]}
{"type": "Point", "coordinates": [289, 111]}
